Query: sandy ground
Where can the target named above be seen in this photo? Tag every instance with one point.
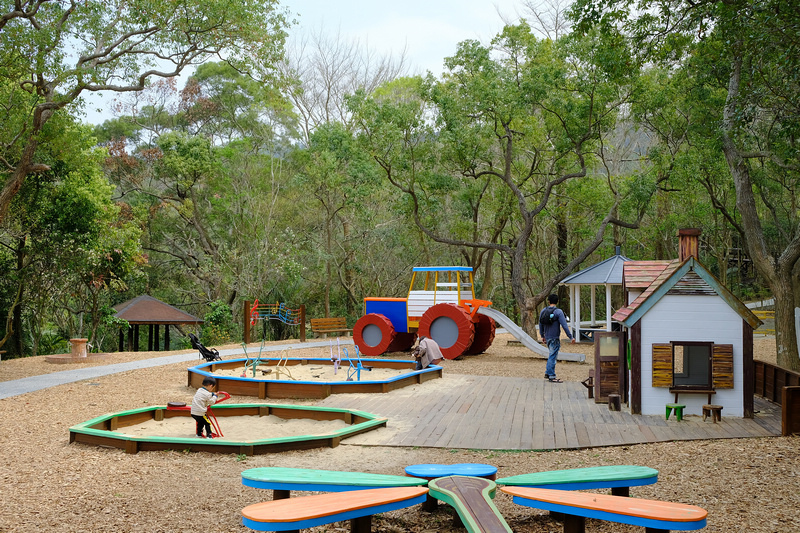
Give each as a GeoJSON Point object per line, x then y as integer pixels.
{"type": "Point", "coordinates": [48, 484]}
{"type": "Point", "coordinates": [310, 372]}
{"type": "Point", "coordinates": [236, 428]}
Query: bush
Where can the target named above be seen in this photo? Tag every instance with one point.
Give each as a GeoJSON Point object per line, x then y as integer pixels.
{"type": "Point", "coordinates": [218, 327]}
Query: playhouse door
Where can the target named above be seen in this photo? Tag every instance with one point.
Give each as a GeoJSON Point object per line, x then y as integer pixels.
{"type": "Point", "coordinates": [610, 368]}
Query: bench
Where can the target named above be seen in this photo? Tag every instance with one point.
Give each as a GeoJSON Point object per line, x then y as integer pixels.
{"type": "Point", "coordinates": [283, 480]}
{"type": "Point", "coordinates": [330, 325]}
{"type": "Point", "coordinates": [677, 391]}
{"type": "Point", "coordinates": [471, 497]}
{"type": "Point", "coordinates": [294, 514]}
{"type": "Point", "coordinates": [617, 478]}
{"type": "Point", "coordinates": [655, 516]}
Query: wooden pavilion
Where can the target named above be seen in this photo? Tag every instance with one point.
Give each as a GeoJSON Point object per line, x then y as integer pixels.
{"type": "Point", "coordinates": [148, 311]}
{"type": "Point", "coordinates": [607, 274]}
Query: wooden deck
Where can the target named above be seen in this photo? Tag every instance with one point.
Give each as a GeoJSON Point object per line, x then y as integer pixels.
{"type": "Point", "coordinates": [480, 412]}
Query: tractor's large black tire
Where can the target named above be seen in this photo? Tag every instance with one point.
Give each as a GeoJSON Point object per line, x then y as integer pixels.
{"type": "Point", "coordinates": [484, 335]}
{"type": "Point", "coordinates": [450, 326]}
{"type": "Point", "coordinates": [373, 334]}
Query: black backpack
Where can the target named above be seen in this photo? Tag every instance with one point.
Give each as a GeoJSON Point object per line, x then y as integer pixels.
{"type": "Point", "coordinates": [548, 316]}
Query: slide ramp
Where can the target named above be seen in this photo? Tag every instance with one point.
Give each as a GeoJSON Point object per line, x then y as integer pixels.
{"type": "Point", "coordinates": [526, 339]}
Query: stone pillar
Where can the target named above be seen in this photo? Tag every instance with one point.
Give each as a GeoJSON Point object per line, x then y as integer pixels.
{"type": "Point", "coordinates": [78, 347]}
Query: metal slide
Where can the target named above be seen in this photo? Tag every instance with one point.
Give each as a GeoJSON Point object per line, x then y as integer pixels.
{"type": "Point", "coordinates": [526, 339]}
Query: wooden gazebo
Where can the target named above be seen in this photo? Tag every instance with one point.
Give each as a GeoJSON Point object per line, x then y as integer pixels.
{"type": "Point", "coordinates": [605, 273]}
{"type": "Point", "coordinates": [148, 311]}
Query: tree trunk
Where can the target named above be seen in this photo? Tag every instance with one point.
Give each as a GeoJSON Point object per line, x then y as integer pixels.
{"type": "Point", "coordinates": [328, 260]}
{"type": "Point", "coordinates": [785, 331]}
{"type": "Point", "coordinates": [562, 242]}
{"type": "Point", "coordinates": [777, 275]}
{"type": "Point", "coordinates": [17, 177]}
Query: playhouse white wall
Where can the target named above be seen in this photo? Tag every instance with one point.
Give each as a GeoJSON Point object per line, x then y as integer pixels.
{"type": "Point", "coordinates": [699, 318]}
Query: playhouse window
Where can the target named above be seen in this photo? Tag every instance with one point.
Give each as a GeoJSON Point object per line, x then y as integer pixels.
{"type": "Point", "coordinates": [691, 364]}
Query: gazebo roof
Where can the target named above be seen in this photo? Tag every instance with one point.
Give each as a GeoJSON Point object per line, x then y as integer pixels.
{"type": "Point", "coordinates": [608, 272]}
{"type": "Point", "coordinates": [148, 310]}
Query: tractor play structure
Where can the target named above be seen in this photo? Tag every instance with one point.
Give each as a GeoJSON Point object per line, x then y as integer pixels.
{"type": "Point", "coordinates": [440, 305]}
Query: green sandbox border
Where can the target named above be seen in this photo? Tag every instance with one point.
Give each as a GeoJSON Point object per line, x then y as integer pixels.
{"type": "Point", "coordinates": [100, 431]}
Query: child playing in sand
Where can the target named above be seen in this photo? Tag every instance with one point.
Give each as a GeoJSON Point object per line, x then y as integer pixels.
{"type": "Point", "coordinates": [427, 353]}
{"type": "Point", "coordinates": [203, 398]}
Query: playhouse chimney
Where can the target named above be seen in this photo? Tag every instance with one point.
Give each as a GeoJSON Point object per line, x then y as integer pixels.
{"type": "Point", "coordinates": [688, 243]}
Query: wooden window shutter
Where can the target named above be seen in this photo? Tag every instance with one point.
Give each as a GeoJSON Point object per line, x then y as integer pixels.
{"type": "Point", "coordinates": [722, 366]}
{"type": "Point", "coordinates": [662, 365]}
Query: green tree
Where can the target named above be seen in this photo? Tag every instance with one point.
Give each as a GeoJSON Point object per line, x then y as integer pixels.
{"type": "Point", "coordinates": [515, 123]}
{"type": "Point", "coordinates": [56, 51]}
{"type": "Point", "coordinates": [206, 175]}
{"type": "Point", "coordinates": [69, 246]}
{"type": "Point", "coordinates": [341, 179]}
{"type": "Point", "coordinates": [747, 53]}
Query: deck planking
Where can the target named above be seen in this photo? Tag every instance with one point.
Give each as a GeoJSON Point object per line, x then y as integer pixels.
{"type": "Point", "coordinates": [482, 412]}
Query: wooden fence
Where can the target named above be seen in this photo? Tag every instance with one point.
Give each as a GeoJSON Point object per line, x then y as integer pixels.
{"type": "Point", "coordinates": [780, 386]}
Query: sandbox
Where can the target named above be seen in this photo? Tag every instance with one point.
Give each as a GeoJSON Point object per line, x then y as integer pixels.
{"type": "Point", "coordinates": [275, 382]}
{"type": "Point", "coordinates": [108, 430]}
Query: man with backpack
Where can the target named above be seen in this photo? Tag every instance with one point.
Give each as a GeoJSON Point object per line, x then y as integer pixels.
{"type": "Point", "coordinates": [551, 321]}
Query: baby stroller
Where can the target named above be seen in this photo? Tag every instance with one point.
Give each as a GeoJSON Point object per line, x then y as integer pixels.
{"type": "Point", "coordinates": [205, 353]}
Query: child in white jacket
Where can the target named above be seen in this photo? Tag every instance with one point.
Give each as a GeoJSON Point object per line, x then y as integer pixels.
{"type": "Point", "coordinates": [203, 398]}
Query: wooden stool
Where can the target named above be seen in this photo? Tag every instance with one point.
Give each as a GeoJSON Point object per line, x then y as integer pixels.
{"type": "Point", "coordinates": [714, 411]}
{"type": "Point", "coordinates": [614, 402]}
{"type": "Point", "coordinates": [678, 410]}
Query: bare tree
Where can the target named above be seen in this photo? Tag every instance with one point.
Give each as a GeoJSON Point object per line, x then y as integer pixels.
{"type": "Point", "coordinates": [327, 68]}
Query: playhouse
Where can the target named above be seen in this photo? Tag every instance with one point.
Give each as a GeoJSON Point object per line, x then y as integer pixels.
{"type": "Point", "coordinates": [690, 340]}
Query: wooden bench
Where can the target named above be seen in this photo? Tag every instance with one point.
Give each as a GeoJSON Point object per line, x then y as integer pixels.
{"type": "Point", "coordinates": [618, 478]}
{"type": "Point", "coordinates": [330, 325]}
{"type": "Point", "coordinates": [294, 514]}
{"type": "Point", "coordinates": [283, 480]}
{"type": "Point", "coordinates": [471, 497]}
{"type": "Point", "coordinates": [677, 391]}
{"type": "Point", "coordinates": [655, 516]}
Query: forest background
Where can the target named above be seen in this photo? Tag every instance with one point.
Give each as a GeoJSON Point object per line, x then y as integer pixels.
{"type": "Point", "coordinates": [320, 173]}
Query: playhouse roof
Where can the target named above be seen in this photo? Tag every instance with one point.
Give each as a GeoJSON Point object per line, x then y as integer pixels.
{"type": "Point", "coordinates": [642, 274]}
{"type": "Point", "coordinates": [687, 277]}
{"type": "Point", "coordinates": [148, 310]}
{"type": "Point", "coordinates": [608, 272]}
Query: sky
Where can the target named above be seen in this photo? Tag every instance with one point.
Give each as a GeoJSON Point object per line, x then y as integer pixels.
{"type": "Point", "coordinates": [428, 30]}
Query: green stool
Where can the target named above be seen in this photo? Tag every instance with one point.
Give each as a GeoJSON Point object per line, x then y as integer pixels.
{"type": "Point", "coordinates": [678, 410]}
